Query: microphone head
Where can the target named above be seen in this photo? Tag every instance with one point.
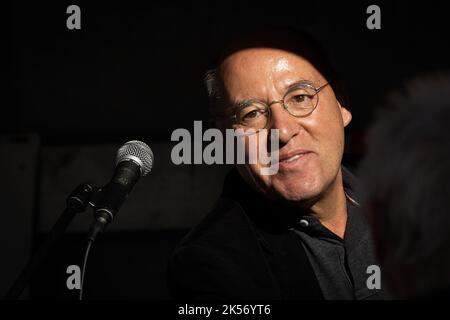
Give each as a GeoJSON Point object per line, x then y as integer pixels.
{"type": "Point", "coordinates": [136, 151]}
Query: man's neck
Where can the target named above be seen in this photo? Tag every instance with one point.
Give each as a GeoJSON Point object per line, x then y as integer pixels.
{"type": "Point", "coordinates": [331, 209]}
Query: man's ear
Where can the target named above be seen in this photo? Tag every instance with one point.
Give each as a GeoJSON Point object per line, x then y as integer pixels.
{"type": "Point", "coordinates": [346, 115]}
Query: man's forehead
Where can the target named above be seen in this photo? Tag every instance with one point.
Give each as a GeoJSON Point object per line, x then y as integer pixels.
{"type": "Point", "coordinates": [281, 64]}
{"type": "Point", "coordinates": [261, 54]}
{"type": "Point", "coordinates": [252, 64]}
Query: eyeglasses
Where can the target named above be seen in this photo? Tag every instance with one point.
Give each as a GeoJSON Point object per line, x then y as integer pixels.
{"type": "Point", "coordinates": [300, 101]}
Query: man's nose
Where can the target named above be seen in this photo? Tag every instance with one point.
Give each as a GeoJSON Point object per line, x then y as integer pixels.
{"type": "Point", "coordinates": [284, 122]}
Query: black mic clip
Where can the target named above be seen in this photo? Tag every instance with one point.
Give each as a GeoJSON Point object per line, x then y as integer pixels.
{"type": "Point", "coordinates": [103, 214]}
{"type": "Point", "coordinates": [80, 198]}
{"type": "Point", "coordinates": [105, 202]}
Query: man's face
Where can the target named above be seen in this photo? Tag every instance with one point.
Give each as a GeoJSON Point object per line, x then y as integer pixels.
{"type": "Point", "coordinates": [311, 147]}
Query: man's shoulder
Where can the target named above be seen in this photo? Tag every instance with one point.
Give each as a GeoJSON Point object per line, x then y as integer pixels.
{"type": "Point", "coordinates": [225, 225]}
{"type": "Point", "coordinates": [220, 258]}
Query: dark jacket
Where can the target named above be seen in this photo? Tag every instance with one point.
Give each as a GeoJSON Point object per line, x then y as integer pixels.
{"type": "Point", "coordinates": [244, 249]}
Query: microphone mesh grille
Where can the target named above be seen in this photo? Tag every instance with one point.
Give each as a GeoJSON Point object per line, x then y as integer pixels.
{"type": "Point", "coordinates": [136, 149]}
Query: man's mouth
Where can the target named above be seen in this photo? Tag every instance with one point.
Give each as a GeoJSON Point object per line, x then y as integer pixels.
{"type": "Point", "coordinates": [292, 155]}
{"type": "Point", "coordinates": [290, 158]}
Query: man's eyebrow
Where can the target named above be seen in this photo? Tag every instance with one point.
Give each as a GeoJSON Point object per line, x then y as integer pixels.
{"type": "Point", "coordinates": [297, 83]}
{"type": "Point", "coordinates": [240, 103]}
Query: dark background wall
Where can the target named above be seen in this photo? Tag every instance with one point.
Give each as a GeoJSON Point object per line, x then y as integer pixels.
{"type": "Point", "coordinates": [135, 71]}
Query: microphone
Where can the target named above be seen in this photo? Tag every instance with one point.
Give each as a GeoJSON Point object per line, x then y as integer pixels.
{"type": "Point", "coordinates": [134, 160]}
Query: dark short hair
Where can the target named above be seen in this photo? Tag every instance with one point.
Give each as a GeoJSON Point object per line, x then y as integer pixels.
{"type": "Point", "coordinates": [406, 174]}
{"type": "Point", "coordinates": [279, 37]}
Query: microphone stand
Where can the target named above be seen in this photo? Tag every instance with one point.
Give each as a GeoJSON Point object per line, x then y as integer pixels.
{"type": "Point", "coordinates": [76, 202]}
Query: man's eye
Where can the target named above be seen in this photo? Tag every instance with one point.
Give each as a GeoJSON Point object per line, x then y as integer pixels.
{"type": "Point", "coordinates": [300, 98]}
{"type": "Point", "coordinates": [252, 114]}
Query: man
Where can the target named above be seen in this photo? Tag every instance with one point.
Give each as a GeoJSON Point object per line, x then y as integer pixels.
{"type": "Point", "coordinates": [296, 234]}
{"type": "Point", "coordinates": [408, 195]}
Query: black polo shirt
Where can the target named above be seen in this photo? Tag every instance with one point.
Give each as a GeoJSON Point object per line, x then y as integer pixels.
{"type": "Point", "coordinates": [340, 265]}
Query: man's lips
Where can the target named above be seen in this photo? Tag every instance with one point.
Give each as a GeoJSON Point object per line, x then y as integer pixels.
{"type": "Point", "coordinates": [286, 157]}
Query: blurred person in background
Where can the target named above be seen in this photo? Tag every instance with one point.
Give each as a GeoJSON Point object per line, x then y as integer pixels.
{"type": "Point", "coordinates": [406, 174]}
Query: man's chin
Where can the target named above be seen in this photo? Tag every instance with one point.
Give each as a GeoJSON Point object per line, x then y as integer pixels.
{"type": "Point", "coordinates": [295, 187]}
{"type": "Point", "coordinates": [296, 192]}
